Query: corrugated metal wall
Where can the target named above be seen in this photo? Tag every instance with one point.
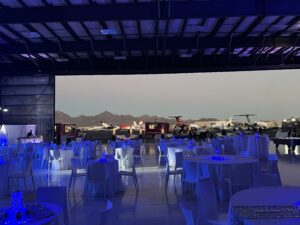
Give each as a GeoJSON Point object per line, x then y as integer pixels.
{"type": "Point", "coordinates": [29, 100]}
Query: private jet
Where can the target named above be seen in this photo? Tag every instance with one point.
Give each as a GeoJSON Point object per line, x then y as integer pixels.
{"type": "Point", "coordinates": [224, 124]}
{"type": "Point", "coordinates": [103, 126]}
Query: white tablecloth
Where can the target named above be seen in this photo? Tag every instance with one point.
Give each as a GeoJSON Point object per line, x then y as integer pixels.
{"type": "Point", "coordinates": [114, 181]}
{"type": "Point", "coordinates": [267, 196]}
{"type": "Point", "coordinates": [219, 169]}
{"type": "Point", "coordinates": [258, 146]}
{"type": "Point", "coordinates": [240, 144]}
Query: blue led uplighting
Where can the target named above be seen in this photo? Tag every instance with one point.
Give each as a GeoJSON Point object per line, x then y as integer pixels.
{"type": "Point", "coordinates": [217, 157]}
{"type": "Point", "coordinates": [3, 139]}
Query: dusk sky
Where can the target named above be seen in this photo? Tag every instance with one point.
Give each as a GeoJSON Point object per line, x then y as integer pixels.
{"type": "Point", "coordinates": [269, 94]}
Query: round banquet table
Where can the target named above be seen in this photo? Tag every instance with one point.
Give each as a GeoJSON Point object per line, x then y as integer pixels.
{"type": "Point", "coordinates": [266, 196]}
{"type": "Point", "coordinates": [114, 180]}
{"type": "Point", "coordinates": [228, 160]}
{"type": "Point", "coordinates": [56, 219]}
{"type": "Point", "coordinates": [219, 169]}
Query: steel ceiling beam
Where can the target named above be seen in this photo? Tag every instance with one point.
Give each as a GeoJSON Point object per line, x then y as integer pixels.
{"type": "Point", "coordinates": [144, 44]}
{"type": "Point", "coordinates": [149, 10]}
{"type": "Point", "coordinates": [139, 66]}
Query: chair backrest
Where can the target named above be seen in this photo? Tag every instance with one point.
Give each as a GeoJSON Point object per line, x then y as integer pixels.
{"type": "Point", "coordinates": [162, 150]}
{"type": "Point", "coordinates": [187, 212]}
{"type": "Point", "coordinates": [55, 195]}
{"type": "Point", "coordinates": [270, 165]}
{"type": "Point", "coordinates": [208, 205]}
{"type": "Point", "coordinates": [97, 172]}
{"type": "Point", "coordinates": [191, 171]}
{"type": "Point", "coordinates": [75, 165]}
{"type": "Point", "coordinates": [45, 152]}
{"type": "Point", "coordinates": [120, 153]}
{"type": "Point", "coordinates": [216, 143]}
{"type": "Point", "coordinates": [55, 154]}
{"type": "Point", "coordinates": [266, 179]}
{"type": "Point", "coordinates": [142, 150]}
{"type": "Point", "coordinates": [242, 174]}
{"type": "Point", "coordinates": [28, 167]}
{"type": "Point", "coordinates": [129, 152]}
{"type": "Point", "coordinates": [178, 160]}
{"type": "Point", "coordinates": [129, 158]}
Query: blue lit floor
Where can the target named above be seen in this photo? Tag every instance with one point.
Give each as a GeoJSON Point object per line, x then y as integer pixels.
{"type": "Point", "coordinates": [151, 205]}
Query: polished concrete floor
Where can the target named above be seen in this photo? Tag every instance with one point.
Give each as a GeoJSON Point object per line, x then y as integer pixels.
{"type": "Point", "coordinates": [152, 205]}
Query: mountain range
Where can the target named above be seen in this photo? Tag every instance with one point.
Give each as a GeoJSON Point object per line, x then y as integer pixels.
{"type": "Point", "coordinates": [115, 119]}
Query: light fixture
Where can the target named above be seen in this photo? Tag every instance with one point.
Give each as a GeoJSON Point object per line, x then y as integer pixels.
{"type": "Point", "coordinates": [186, 55]}
{"type": "Point", "coordinates": [62, 60]}
{"type": "Point", "coordinates": [3, 109]}
{"type": "Point", "coordinates": [108, 31]}
{"type": "Point", "coordinates": [31, 34]}
{"type": "Point", "coordinates": [120, 57]}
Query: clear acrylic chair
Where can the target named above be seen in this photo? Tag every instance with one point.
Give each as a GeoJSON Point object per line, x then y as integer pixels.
{"type": "Point", "coordinates": [46, 155]}
{"type": "Point", "coordinates": [208, 205]}
{"type": "Point", "coordinates": [162, 154]}
{"type": "Point", "coordinates": [130, 172]}
{"type": "Point", "coordinates": [76, 172]}
{"type": "Point", "coordinates": [189, 210]}
{"type": "Point", "coordinates": [54, 158]}
{"type": "Point", "coordinates": [139, 153]}
{"type": "Point", "coordinates": [26, 173]}
{"type": "Point", "coordinates": [176, 170]}
{"type": "Point", "coordinates": [192, 174]}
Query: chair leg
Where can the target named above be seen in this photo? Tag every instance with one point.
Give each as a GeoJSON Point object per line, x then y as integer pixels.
{"type": "Point", "coordinates": [42, 164]}
{"type": "Point", "coordinates": [167, 182]}
{"type": "Point", "coordinates": [33, 184]}
{"type": "Point", "coordinates": [8, 184]}
{"type": "Point", "coordinates": [159, 158]}
{"type": "Point", "coordinates": [135, 183]}
{"type": "Point", "coordinates": [104, 190]}
{"type": "Point", "coordinates": [24, 180]}
{"type": "Point", "coordinates": [174, 180]}
{"type": "Point", "coordinates": [74, 184]}
{"type": "Point", "coordinates": [85, 187]}
{"type": "Point", "coordinates": [70, 183]}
